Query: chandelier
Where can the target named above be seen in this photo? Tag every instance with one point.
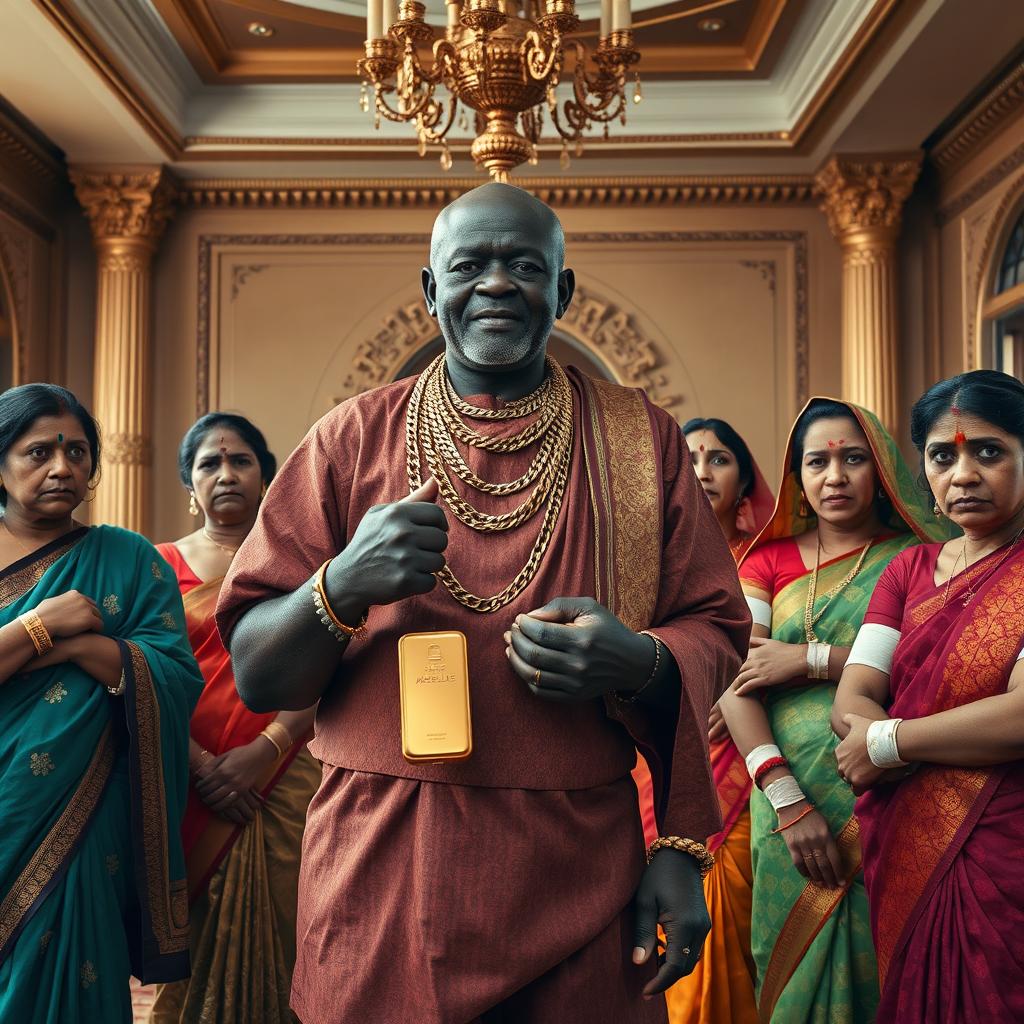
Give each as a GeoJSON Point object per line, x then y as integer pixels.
{"type": "Point", "coordinates": [502, 59]}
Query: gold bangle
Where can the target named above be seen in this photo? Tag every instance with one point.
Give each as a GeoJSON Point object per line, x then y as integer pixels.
{"type": "Point", "coordinates": [279, 735]}
{"type": "Point", "coordinates": [705, 859]}
{"type": "Point", "coordinates": [266, 735]}
{"type": "Point", "coordinates": [325, 612]}
{"type": "Point", "coordinates": [37, 632]}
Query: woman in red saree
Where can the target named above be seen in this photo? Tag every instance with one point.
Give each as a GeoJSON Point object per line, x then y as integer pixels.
{"type": "Point", "coordinates": [931, 706]}
{"type": "Point", "coordinates": [251, 775]}
{"type": "Point", "coordinates": [721, 988]}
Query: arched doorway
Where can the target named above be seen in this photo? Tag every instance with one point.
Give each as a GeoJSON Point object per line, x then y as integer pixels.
{"type": "Point", "coordinates": [565, 349]}
{"type": "Point", "coordinates": [1003, 309]}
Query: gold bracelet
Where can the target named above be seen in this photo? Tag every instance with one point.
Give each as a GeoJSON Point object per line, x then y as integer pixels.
{"type": "Point", "coordinates": [266, 735]}
{"type": "Point", "coordinates": [279, 735]}
{"type": "Point", "coordinates": [635, 695]}
{"type": "Point", "coordinates": [325, 612]}
{"type": "Point", "coordinates": [705, 859]}
{"type": "Point", "coordinates": [37, 632]}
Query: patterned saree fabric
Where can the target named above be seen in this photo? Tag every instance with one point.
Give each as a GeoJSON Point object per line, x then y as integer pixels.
{"type": "Point", "coordinates": [812, 946]}
{"type": "Point", "coordinates": [92, 788]}
{"type": "Point", "coordinates": [941, 847]}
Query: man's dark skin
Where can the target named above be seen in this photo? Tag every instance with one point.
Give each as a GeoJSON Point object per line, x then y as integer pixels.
{"type": "Point", "coordinates": [495, 284]}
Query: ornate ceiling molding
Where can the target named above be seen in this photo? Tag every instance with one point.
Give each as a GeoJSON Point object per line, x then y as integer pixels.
{"type": "Point", "coordinates": [432, 193]}
{"type": "Point", "coordinates": [987, 117]}
{"type": "Point", "coordinates": [988, 181]}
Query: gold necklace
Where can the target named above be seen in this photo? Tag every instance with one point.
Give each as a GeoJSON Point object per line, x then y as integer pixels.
{"type": "Point", "coordinates": [434, 421]}
{"type": "Point", "coordinates": [230, 552]}
{"type": "Point", "coordinates": [810, 618]}
{"type": "Point", "coordinates": [968, 582]}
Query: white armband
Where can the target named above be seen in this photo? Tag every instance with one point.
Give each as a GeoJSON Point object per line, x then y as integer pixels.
{"type": "Point", "coordinates": [882, 748]}
{"type": "Point", "coordinates": [758, 756]}
{"type": "Point", "coordinates": [874, 647]}
{"type": "Point", "coordinates": [760, 611]}
{"type": "Point", "coordinates": [784, 793]}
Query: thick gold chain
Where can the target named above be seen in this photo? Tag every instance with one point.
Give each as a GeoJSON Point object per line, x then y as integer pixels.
{"type": "Point", "coordinates": [432, 420]}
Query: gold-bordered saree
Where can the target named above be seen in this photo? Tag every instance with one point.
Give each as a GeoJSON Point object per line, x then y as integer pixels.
{"type": "Point", "coordinates": [92, 878]}
{"type": "Point", "coordinates": [812, 946]}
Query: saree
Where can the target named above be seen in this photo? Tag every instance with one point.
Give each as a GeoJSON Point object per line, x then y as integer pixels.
{"type": "Point", "coordinates": [947, 899]}
{"type": "Point", "coordinates": [720, 990]}
{"type": "Point", "coordinates": [812, 946]}
{"type": "Point", "coordinates": [243, 882]}
{"type": "Point", "coordinates": [92, 788]}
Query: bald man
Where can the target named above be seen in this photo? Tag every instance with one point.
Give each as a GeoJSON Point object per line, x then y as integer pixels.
{"type": "Point", "coordinates": [555, 522]}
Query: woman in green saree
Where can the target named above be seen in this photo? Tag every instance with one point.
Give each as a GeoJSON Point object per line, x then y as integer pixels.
{"type": "Point", "coordinates": [846, 507]}
{"type": "Point", "coordinates": [96, 685]}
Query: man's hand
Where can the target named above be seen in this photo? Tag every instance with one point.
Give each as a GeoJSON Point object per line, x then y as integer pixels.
{"type": "Point", "coordinates": [574, 649]}
{"type": "Point", "coordinates": [670, 894]}
{"type": "Point", "coordinates": [393, 554]}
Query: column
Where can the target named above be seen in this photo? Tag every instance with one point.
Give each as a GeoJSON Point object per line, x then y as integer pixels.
{"type": "Point", "coordinates": [127, 210]}
{"type": "Point", "coordinates": [863, 197]}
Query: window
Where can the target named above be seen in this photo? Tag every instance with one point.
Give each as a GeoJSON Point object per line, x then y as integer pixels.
{"type": "Point", "coordinates": [1011, 268]}
{"type": "Point", "coordinates": [1003, 308]}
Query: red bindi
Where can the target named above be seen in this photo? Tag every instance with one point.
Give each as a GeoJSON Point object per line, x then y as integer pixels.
{"type": "Point", "coordinates": [702, 448]}
{"type": "Point", "coordinates": [959, 438]}
{"type": "Point", "coordinates": [837, 444]}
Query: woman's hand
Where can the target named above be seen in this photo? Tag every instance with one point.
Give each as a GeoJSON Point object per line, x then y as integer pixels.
{"type": "Point", "coordinates": [69, 614]}
{"type": "Point", "coordinates": [717, 729]}
{"type": "Point", "coordinates": [811, 846]}
{"type": "Point", "coordinates": [770, 663]}
{"type": "Point", "coordinates": [227, 783]}
{"type": "Point", "coordinates": [854, 764]}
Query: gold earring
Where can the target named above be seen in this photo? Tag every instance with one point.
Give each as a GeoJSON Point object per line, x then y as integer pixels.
{"type": "Point", "coordinates": [804, 510]}
{"type": "Point", "coordinates": [193, 508]}
{"type": "Point", "coordinates": [936, 511]}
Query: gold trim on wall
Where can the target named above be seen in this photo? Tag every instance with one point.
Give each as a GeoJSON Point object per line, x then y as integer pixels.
{"type": "Point", "coordinates": [433, 193]}
{"type": "Point", "coordinates": [988, 181]}
{"type": "Point", "coordinates": [987, 117]}
{"type": "Point", "coordinates": [642, 375]}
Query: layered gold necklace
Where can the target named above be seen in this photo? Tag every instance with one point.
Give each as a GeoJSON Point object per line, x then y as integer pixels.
{"type": "Point", "coordinates": [437, 419]}
{"type": "Point", "coordinates": [810, 616]}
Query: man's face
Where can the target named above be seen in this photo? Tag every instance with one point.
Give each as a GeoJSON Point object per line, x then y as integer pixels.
{"type": "Point", "coordinates": [496, 284]}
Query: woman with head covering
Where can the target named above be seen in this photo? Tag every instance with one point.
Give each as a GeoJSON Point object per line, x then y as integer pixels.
{"type": "Point", "coordinates": [252, 777]}
{"type": "Point", "coordinates": [931, 706]}
{"type": "Point", "coordinates": [96, 685]}
{"type": "Point", "coordinates": [847, 506]}
{"type": "Point", "coordinates": [721, 988]}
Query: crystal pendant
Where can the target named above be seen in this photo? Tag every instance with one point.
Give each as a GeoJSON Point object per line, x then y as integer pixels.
{"type": "Point", "coordinates": [564, 160]}
{"type": "Point", "coordinates": [446, 159]}
{"type": "Point", "coordinates": [638, 94]}
{"type": "Point", "coordinates": [534, 158]}
{"type": "Point", "coordinates": [579, 147]}
{"type": "Point", "coordinates": [422, 147]}
{"type": "Point", "coordinates": [364, 99]}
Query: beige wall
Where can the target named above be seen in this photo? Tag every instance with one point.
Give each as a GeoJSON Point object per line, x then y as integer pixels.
{"type": "Point", "coordinates": [738, 309]}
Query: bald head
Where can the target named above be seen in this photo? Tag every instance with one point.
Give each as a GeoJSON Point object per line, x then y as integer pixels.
{"type": "Point", "coordinates": [500, 206]}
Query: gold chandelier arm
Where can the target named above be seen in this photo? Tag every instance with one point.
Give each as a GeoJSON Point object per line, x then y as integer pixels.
{"type": "Point", "coordinates": [433, 117]}
{"type": "Point", "coordinates": [542, 56]}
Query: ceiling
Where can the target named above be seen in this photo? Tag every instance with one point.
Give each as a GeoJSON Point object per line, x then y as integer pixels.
{"type": "Point", "coordinates": [779, 85]}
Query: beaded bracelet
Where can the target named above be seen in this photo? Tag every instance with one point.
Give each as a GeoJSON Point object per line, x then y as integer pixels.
{"type": "Point", "coordinates": [635, 695]}
{"type": "Point", "coordinates": [705, 859]}
{"type": "Point", "coordinates": [325, 613]}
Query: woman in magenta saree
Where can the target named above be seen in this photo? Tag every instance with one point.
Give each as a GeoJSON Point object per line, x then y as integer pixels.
{"type": "Point", "coordinates": [932, 708]}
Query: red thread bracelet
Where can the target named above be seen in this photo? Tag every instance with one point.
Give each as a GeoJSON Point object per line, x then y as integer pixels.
{"type": "Point", "coordinates": [803, 814]}
{"type": "Point", "coordinates": [766, 766]}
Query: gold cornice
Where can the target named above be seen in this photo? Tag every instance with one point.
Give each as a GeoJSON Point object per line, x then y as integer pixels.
{"type": "Point", "coordinates": [984, 119]}
{"type": "Point", "coordinates": [431, 193]}
{"type": "Point", "coordinates": [35, 158]}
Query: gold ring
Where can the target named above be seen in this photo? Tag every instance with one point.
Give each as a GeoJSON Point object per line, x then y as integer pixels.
{"type": "Point", "coordinates": [536, 677]}
{"type": "Point", "coordinates": [686, 950]}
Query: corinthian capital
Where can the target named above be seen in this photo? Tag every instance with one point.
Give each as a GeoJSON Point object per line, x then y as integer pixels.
{"type": "Point", "coordinates": [131, 204]}
{"type": "Point", "coordinates": [866, 193]}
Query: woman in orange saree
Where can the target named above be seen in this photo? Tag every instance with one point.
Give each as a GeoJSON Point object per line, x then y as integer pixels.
{"type": "Point", "coordinates": [931, 706]}
{"type": "Point", "coordinates": [721, 988]}
{"type": "Point", "coordinates": [252, 777]}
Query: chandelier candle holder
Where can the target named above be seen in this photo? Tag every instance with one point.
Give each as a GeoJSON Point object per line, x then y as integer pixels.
{"type": "Point", "coordinates": [502, 59]}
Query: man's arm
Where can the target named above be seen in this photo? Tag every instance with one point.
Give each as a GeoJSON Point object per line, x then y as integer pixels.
{"type": "Point", "coordinates": [393, 554]}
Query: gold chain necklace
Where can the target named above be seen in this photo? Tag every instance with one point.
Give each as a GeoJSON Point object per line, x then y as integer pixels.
{"type": "Point", "coordinates": [230, 552]}
{"type": "Point", "coordinates": [969, 583]}
{"type": "Point", "coordinates": [434, 421]}
{"type": "Point", "coordinates": [810, 618]}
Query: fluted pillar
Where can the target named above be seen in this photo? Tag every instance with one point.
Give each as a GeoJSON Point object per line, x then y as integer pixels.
{"type": "Point", "coordinates": [127, 210]}
{"type": "Point", "coordinates": [863, 198]}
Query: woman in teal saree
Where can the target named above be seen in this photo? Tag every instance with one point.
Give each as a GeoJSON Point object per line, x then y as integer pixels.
{"type": "Point", "coordinates": [97, 682]}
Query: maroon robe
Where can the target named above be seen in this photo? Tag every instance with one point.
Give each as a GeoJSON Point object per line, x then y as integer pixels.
{"type": "Point", "coordinates": [435, 892]}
